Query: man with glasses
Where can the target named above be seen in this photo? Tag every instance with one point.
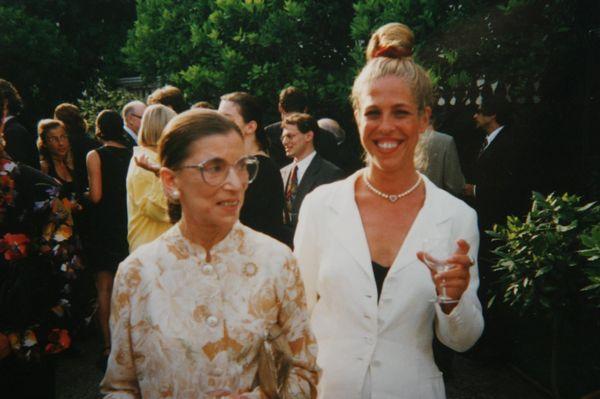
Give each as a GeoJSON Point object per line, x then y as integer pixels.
{"type": "Point", "coordinates": [132, 117]}
{"type": "Point", "coordinates": [308, 169]}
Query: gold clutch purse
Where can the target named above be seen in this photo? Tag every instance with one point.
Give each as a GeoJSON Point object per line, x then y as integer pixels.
{"type": "Point", "coordinates": [274, 364]}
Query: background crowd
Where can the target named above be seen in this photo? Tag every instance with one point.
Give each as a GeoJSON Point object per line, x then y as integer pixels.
{"type": "Point", "coordinates": [103, 197]}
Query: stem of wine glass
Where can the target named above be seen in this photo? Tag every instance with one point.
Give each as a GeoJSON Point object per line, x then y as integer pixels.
{"type": "Point", "coordinates": [444, 295]}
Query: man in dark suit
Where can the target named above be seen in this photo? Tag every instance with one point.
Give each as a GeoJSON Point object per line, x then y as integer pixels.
{"type": "Point", "coordinates": [500, 185]}
{"type": "Point", "coordinates": [308, 169]}
{"type": "Point", "coordinates": [293, 100]}
{"type": "Point", "coordinates": [20, 143]}
{"type": "Point", "coordinates": [499, 188]}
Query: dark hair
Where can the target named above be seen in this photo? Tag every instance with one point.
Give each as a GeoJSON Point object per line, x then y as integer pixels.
{"type": "Point", "coordinates": [11, 96]}
{"type": "Point", "coordinates": [69, 114]}
{"type": "Point", "coordinates": [170, 96]}
{"type": "Point", "coordinates": [292, 99]}
{"type": "Point", "coordinates": [496, 105]}
{"type": "Point", "coordinates": [250, 110]}
{"type": "Point", "coordinates": [109, 126]}
{"type": "Point", "coordinates": [179, 135]}
{"type": "Point", "coordinates": [304, 122]}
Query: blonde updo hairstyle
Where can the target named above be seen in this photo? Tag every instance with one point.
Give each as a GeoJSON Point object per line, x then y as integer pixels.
{"type": "Point", "coordinates": [154, 120]}
{"type": "Point", "coordinates": [389, 53]}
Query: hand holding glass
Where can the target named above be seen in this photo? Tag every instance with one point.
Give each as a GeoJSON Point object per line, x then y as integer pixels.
{"type": "Point", "coordinates": [436, 252]}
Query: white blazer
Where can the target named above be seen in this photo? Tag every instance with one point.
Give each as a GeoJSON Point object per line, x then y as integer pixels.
{"type": "Point", "coordinates": [381, 350]}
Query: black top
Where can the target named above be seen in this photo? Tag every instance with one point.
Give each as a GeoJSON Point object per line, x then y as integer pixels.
{"type": "Point", "coordinates": [380, 272]}
{"type": "Point", "coordinates": [109, 234]}
{"type": "Point", "coordinates": [263, 203]}
{"type": "Point", "coordinates": [81, 144]}
{"type": "Point", "coordinates": [20, 143]}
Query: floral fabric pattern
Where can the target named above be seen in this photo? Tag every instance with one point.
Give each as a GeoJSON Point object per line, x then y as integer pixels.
{"type": "Point", "coordinates": [185, 323]}
{"type": "Point", "coordinates": [39, 261]}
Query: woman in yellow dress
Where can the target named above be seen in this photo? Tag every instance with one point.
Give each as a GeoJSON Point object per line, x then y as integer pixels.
{"type": "Point", "coordinates": [147, 209]}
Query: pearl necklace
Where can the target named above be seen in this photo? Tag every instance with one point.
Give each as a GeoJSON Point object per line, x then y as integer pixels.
{"type": "Point", "coordinates": [392, 197]}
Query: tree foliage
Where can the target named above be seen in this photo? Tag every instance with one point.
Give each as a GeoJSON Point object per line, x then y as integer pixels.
{"type": "Point", "coordinates": [32, 50]}
{"type": "Point", "coordinates": [540, 266]}
{"type": "Point", "coordinates": [51, 49]}
{"type": "Point", "coordinates": [260, 46]}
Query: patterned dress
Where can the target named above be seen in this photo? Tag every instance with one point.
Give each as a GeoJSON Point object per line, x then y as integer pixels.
{"type": "Point", "coordinates": [184, 325]}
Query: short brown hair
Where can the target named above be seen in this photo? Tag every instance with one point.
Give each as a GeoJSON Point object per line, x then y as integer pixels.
{"type": "Point", "coordinates": [181, 132]}
{"type": "Point", "coordinates": [170, 96]}
{"type": "Point", "coordinates": [304, 122]}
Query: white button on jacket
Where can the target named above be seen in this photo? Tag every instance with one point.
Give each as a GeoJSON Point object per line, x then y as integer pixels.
{"type": "Point", "coordinates": [393, 337]}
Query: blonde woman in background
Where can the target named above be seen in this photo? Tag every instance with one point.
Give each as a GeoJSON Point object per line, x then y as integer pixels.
{"type": "Point", "coordinates": [146, 203]}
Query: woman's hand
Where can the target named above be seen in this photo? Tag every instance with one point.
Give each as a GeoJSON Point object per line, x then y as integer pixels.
{"type": "Point", "coordinates": [456, 280]}
{"type": "Point", "coordinates": [4, 346]}
{"type": "Point", "coordinates": [143, 162]}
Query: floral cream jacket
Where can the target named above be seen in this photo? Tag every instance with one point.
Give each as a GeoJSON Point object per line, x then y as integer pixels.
{"type": "Point", "coordinates": [185, 324]}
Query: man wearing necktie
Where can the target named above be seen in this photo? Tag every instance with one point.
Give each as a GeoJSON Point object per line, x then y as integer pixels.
{"type": "Point", "coordinates": [308, 169]}
{"type": "Point", "coordinates": [499, 188]}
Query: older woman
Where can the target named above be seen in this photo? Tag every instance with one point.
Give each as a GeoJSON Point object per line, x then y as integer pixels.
{"type": "Point", "coordinates": [147, 211]}
{"type": "Point", "coordinates": [191, 309]}
{"type": "Point", "coordinates": [358, 241]}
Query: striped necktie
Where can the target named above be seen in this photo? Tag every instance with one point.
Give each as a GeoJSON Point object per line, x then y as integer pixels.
{"type": "Point", "coordinates": [290, 193]}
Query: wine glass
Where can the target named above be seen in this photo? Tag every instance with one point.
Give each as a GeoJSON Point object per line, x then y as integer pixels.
{"type": "Point", "coordinates": [436, 253]}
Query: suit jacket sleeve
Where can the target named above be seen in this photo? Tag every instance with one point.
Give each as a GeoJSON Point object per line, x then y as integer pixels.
{"type": "Point", "coordinates": [20, 145]}
{"type": "Point", "coordinates": [460, 329]}
{"type": "Point", "coordinates": [454, 179]}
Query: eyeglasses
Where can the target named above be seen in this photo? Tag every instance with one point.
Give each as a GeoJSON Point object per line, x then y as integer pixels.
{"type": "Point", "coordinates": [288, 136]}
{"type": "Point", "coordinates": [214, 171]}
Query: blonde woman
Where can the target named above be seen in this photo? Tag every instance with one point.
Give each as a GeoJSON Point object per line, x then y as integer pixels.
{"type": "Point", "coordinates": [358, 241]}
{"type": "Point", "coordinates": [146, 203]}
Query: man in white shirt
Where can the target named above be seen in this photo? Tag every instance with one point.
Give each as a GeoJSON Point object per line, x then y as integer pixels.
{"type": "Point", "coordinates": [308, 169]}
{"type": "Point", "coordinates": [132, 118]}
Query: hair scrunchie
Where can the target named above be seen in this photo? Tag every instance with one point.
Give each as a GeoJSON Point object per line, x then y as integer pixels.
{"type": "Point", "coordinates": [392, 52]}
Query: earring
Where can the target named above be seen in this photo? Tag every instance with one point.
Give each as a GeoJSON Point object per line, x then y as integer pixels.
{"type": "Point", "coordinates": [175, 194]}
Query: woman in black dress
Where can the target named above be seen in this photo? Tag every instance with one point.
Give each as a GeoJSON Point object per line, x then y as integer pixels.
{"type": "Point", "coordinates": [107, 171]}
{"type": "Point", "coordinates": [263, 204]}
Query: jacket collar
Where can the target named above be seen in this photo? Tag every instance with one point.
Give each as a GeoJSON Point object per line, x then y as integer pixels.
{"type": "Point", "coordinates": [348, 228]}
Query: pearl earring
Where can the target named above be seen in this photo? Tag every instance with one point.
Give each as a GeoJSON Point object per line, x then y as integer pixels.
{"type": "Point", "coordinates": [175, 194]}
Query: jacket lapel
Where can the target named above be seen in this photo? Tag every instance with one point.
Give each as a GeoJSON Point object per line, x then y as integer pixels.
{"type": "Point", "coordinates": [347, 224]}
{"type": "Point", "coordinates": [309, 178]}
